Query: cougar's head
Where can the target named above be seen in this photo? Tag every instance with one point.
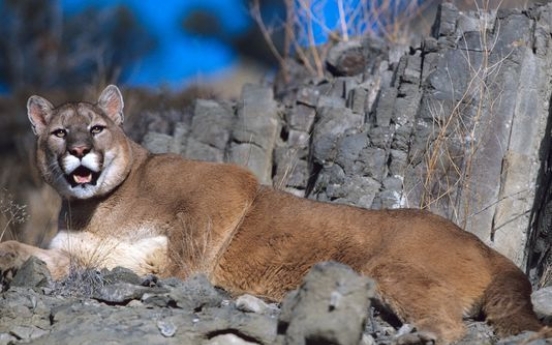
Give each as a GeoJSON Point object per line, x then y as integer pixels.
{"type": "Point", "coordinates": [81, 148]}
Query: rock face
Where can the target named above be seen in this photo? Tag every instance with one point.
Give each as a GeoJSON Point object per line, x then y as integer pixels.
{"type": "Point", "coordinates": [244, 133]}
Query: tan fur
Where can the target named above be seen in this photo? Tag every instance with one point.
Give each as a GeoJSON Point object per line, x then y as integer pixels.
{"type": "Point", "coordinates": [165, 215]}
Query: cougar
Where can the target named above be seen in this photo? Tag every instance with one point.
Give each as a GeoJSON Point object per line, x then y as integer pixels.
{"type": "Point", "coordinates": [162, 214]}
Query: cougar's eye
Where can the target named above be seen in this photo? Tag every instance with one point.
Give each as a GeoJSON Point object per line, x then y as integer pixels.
{"type": "Point", "coordinates": [96, 129]}
{"type": "Point", "coordinates": [60, 133]}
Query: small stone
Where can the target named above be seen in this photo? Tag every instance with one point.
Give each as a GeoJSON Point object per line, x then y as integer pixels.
{"type": "Point", "coordinates": [252, 304]}
{"type": "Point", "coordinates": [121, 274]}
{"type": "Point", "coordinates": [167, 328]}
{"type": "Point", "coordinates": [27, 333]}
{"type": "Point", "coordinates": [367, 340]}
{"type": "Point", "coordinates": [301, 117]}
{"type": "Point", "coordinates": [308, 96]}
{"type": "Point", "coordinates": [124, 292]}
{"type": "Point", "coordinates": [542, 301]}
{"type": "Point", "coordinates": [229, 339]}
{"type": "Point", "coordinates": [135, 304]}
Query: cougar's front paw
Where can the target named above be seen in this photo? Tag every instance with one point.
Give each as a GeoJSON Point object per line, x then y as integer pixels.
{"type": "Point", "coordinates": [12, 257]}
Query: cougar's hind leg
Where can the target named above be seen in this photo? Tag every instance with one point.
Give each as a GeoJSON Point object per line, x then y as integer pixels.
{"type": "Point", "coordinates": [507, 303]}
{"type": "Point", "coordinates": [418, 299]}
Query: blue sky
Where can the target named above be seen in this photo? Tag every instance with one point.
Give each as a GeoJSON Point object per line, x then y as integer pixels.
{"type": "Point", "coordinates": [179, 57]}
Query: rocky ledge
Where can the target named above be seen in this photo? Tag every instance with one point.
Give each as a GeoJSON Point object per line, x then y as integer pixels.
{"type": "Point", "coordinates": [332, 306]}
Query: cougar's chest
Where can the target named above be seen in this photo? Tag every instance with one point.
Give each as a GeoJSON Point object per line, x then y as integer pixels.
{"type": "Point", "coordinates": [144, 255]}
{"type": "Point", "coordinates": [106, 235]}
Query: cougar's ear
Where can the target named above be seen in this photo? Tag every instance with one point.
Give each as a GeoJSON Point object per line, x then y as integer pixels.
{"type": "Point", "coordinates": [39, 111]}
{"type": "Point", "coordinates": [111, 102]}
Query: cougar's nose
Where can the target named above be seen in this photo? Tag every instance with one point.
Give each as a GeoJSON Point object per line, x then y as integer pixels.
{"type": "Point", "coordinates": [79, 151]}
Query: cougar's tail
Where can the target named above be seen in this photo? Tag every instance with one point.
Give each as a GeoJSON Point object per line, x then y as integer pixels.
{"type": "Point", "coordinates": [507, 302]}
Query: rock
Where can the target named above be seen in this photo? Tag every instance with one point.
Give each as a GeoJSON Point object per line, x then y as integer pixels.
{"type": "Point", "coordinates": [157, 142]}
{"type": "Point", "coordinates": [255, 131]}
{"type": "Point", "coordinates": [27, 333]}
{"type": "Point", "coordinates": [201, 151]}
{"type": "Point", "coordinates": [329, 292]}
{"type": "Point", "coordinates": [122, 292]}
{"type": "Point", "coordinates": [257, 118]}
{"type": "Point", "coordinates": [346, 58]}
{"type": "Point", "coordinates": [121, 274]}
{"type": "Point", "coordinates": [367, 340]}
{"type": "Point", "coordinates": [349, 151]}
{"type": "Point", "coordinates": [291, 169]}
{"type": "Point", "coordinates": [229, 339]}
{"type": "Point", "coordinates": [253, 327]}
{"type": "Point", "coordinates": [212, 123]}
{"type": "Point", "coordinates": [357, 99]}
{"type": "Point", "coordinates": [301, 117]}
{"type": "Point", "coordinates": [478, 333]}
{"type": "Point", "coordinates": [331, 124]}
{"type": "Point", "coordinates": [255, 158]}
{"type": "Point", "coordinates": [167, 329]}
{"type": "Point", "coordinates": [252, 304]}
{"type": "Point", "coordinates": [33, 274]}
{"type": "Point", "coordinates": [542, 302]}
{"type": "Point", "coordinates": [525, 338]}
{"type": "Point", "coordinates": [197, 293]}
{"type": "Point", "coordinates": [83, 282]}
{"type": "Point", "coordinates": [308, 96]}
{"type": "Point", "coordinates": [330, 102]}
{"type": "Point", "coordinates": [210, 132]}
{"type": "Point", "coordinates": [445, 22]}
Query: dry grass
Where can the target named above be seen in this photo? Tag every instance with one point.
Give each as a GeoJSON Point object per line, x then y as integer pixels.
{"type": "Point", "coordinates": [11, 214]}
{"type": "Point", "coordinates": [452, 181]}
{"type": "Point", "coordinates": [458, 136]}
{"type": "Point", "coordinates": [460, 128]}
{"type": "Point", "coordinates": [306, 21]}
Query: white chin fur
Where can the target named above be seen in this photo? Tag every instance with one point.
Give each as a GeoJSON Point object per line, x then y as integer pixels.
{"type": "Point", "coordinates": [83, 191]}
{"type": "Point", "coordinates": [110, 176]}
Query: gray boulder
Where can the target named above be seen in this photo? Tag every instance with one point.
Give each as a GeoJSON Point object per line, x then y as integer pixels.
{"type": "Point", "coordinates": [330, 307]}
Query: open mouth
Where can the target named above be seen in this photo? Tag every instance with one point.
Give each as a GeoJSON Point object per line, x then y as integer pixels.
{"type": "Point", "coordinates": [82, 176]}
